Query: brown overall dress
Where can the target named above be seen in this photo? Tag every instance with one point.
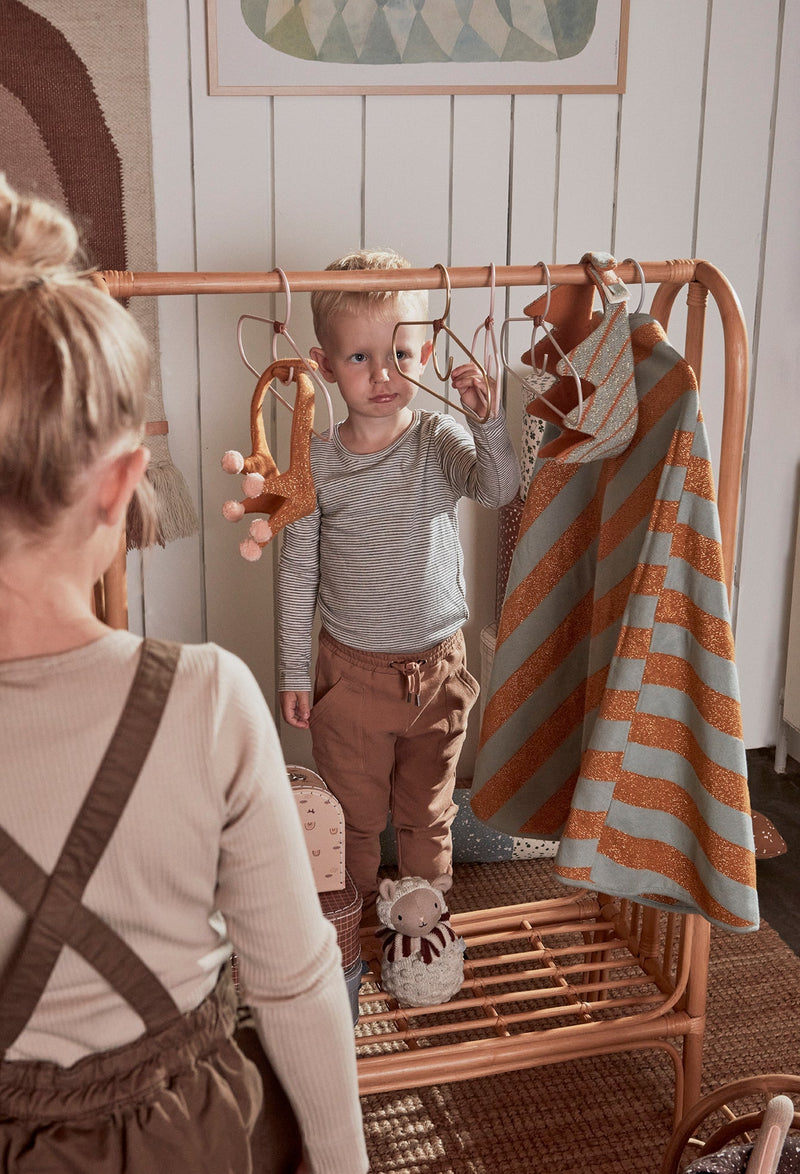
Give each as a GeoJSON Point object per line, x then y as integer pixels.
{"type": "Point", "coordinates": [181, 1098]}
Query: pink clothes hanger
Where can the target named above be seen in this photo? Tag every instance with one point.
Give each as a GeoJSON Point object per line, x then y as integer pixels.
{"type": "Point", "coordinates": [640, 275]}
{"type": "Point", "coordinates": [439, 325]}
{"type": "Point", "coordinates": [491, 350]}
{"type": "Point", "coordinates": [534, 381]}
{"type": "Point", "coordinates": [281, 328]}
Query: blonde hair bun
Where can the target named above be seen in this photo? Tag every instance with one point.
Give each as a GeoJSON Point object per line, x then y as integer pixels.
{"type": "Point", "coordinates": [74, 368]}
{"type": "Point", "coordinates": [37, 240]}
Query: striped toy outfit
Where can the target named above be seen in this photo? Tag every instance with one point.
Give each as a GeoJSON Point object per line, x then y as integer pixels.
{"type": "Point", "coordinates": [613, 714]}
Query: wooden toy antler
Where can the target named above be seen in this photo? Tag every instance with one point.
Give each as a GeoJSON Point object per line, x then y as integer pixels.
{"type": "Point", "coordinates": [283, 497]}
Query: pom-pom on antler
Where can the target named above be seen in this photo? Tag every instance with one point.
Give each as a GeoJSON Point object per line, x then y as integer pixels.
{"type": "Point", "coordinates": [232, 461]}
{"type": "Point", "coordinates": [283, 497]}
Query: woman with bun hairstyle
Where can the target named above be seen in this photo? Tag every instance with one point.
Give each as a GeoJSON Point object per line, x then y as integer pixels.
{"type": "Point", "coordinates": [147, 824]}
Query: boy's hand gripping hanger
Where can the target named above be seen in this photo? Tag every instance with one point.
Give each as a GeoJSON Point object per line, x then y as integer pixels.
{"type": "Point", "coordinates": [283, 497]}
{"type": "Point", "coordinates": [281, 328]}
{"type": "Point", "coordinates": [440, 325]}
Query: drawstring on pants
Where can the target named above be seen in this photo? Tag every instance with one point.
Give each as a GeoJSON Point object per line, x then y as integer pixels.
{"type": "Point", "coordinates": [410, 670]}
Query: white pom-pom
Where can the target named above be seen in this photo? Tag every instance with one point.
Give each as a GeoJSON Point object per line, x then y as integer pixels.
{"type": "Point", "coordinates": [233, 511]}
{"type": "Point", "coordinates": [232, 461]}
{"type": "Point", "coordinates": [253, 485]}
{"type": "Point", "coordinates": [260, 530]}
{"type": "Point", "coordinates": [250, 550]}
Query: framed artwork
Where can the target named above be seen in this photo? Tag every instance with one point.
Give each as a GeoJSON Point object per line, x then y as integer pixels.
{"type": "Point", "coordinates": [416, 46]}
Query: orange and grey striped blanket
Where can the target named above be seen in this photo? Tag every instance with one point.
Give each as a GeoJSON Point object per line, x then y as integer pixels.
{"type": "Point", "coordinates": [613, 717]}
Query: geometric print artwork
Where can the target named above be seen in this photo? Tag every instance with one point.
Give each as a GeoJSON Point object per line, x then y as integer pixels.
{"type": "Point", "coordinates": [392, 32]}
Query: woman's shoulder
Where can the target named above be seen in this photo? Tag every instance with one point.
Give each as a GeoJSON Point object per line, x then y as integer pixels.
{"type": "Point", "coordinates": [210, 660]}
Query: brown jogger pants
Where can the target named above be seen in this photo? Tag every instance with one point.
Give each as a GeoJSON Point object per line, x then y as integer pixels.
{"type": "Point", "coordinates": [387, 730]}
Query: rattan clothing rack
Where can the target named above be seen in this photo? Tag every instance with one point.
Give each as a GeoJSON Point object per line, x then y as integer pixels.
{"type": "Point", "coordinates": [574, 976]}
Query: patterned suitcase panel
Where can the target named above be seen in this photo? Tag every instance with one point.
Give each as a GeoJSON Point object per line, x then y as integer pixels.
{"type": "Point", "coordinates": [323, 825]}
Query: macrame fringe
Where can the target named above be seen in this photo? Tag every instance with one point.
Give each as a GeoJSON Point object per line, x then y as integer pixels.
{"type": "Point", "coordinates": [175, 513]}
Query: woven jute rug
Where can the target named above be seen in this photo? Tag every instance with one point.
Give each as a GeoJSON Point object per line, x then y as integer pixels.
{"type": "Point", "coordinates": [604, 1115]}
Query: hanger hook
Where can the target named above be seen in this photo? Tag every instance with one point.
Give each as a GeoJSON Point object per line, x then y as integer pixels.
{"type": "Point", "coordinates": [287, 292]}
{"type": "Point", "coordinates": [279, 327]}
{"type": "Point", "coordinates": [491, 349]}
{"type": "Point", "coordinates": [538, 320]}
{"type": "Point", "coordinates": [504, 359]}
{"type": "Point", "coordinates": [446, 280]}
{"type": "Point", "coordinates": [640, 275]}
{"type": "Point", "coordinates": [443, 376]}
{"type": "Point", "coordinates": [546, 273]}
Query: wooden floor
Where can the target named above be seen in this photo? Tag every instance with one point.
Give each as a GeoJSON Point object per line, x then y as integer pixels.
{"type": "Point", "coordinates": [778, 797]}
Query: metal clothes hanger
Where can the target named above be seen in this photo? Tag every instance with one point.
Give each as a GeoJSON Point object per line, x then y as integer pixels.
{"type": "Point", "coordinates": [440, 325]}
{"type": "Point", "coordinates": [280, 328]}
{"type": "Point", "coordinates": [539, 322]}
{"type": "Point", "coordinates": [491, 350]}
{"type": "Point", "coordinates": [640, 275]}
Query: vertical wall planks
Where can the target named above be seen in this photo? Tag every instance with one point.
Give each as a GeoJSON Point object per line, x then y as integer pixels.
{"type": "Point", "coordinates": [534, 159]}
{"type": "Point", "coordinates": [166, 583]}
{"type": "Point", "coordinates": [583, 172]}
{"type": "Point", "coordinates": [480, 194]}
{"type": "Point", "coordinates": [407, 187]}
{"type": "Point", "coordinates": [659, 148]}
{"type": "Point", "coordinates": [318, 182]}
{"type": "Point", "coordinates": [587, 179]}
{"type": "Point", "coordinates": [659, 140]}
{"type": "Point", "coordinates": [771, 501]}
{"type": "Point", "coordinates": [233, 220]}
{"type": "Point", "coordinates": [733, 180]}
{"type": "Point", "coordinates": [479, 235]}
{"type": "Point", "coordinates": [407, 175]}
{"type": "Point", "coordinates": [737, 141]}
{"type": "Point", "coordinates": [318, 178]}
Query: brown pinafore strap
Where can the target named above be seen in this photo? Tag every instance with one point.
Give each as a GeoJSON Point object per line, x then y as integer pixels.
{"type": "Point", "coordinates": [53, 903]}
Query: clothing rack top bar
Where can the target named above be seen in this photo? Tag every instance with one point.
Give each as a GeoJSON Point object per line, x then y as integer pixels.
{"type": "Point", "coordinates": [125, 284]}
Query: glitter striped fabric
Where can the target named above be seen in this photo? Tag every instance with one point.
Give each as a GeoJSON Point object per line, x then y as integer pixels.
{"type": "Point", "coordinates": [613, 717]}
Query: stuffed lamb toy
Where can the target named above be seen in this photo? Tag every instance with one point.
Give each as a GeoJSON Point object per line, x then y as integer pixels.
{"type": "Point", "coordinates": [423, 959]}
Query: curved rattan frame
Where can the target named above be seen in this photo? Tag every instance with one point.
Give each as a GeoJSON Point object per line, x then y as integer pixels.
{"type": "Point", "coordinates": [670, 952]}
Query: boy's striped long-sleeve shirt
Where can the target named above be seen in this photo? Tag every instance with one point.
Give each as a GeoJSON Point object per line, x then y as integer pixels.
{"type": "Point", "coordinates": [380, 556]}
{"type": "Point", "coordinates": [613, 715]}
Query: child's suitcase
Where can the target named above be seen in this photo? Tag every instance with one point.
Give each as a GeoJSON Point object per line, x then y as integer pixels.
{"type": "Point", "coordinates": [323, 824]}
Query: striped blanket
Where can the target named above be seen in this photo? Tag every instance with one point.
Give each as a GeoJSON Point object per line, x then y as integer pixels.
{"type": "Point", "coordinates": [613, 717]}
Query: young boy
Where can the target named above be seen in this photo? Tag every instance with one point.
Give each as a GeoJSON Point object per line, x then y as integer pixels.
{"type": "Point", "coordinates": [381, 559]}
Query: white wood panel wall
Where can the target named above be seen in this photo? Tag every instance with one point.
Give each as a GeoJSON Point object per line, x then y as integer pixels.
{"type": "Point", "coordinates": [699, 157]}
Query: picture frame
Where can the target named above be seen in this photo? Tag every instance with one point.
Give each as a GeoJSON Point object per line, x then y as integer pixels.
{"type": "Point", "coordinates": [313, 41]}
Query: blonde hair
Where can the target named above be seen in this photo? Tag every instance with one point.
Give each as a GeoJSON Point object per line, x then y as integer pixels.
{"type": "Point", "coordinates": [381, 303]}
{"type": "Point", "coordinates": [74, 366]}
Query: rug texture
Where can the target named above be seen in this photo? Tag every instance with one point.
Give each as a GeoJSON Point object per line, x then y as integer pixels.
{"type": "Point", "coordinates": [604, 1115]}
{"type": "Point", "coordinates": [75, 129]}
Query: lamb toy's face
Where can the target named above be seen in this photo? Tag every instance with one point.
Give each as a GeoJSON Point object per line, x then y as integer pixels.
{"type": "Point", "coordinates": [417, 912]}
